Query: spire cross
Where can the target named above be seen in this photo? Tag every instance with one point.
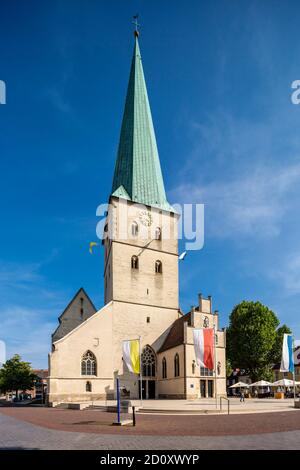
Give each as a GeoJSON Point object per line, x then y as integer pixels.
{"type": "Point", "coordinates": [135, 22]}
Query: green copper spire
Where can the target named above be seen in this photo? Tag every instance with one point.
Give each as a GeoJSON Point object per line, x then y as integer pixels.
{"type": "Point", "coordinates": [138, 174]}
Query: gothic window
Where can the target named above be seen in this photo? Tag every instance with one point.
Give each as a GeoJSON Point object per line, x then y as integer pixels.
{"type": "Point", "coordinates": [134, 229]}
{"type": "Point", "coordinates": [219, 368]}
{"type": "Point", "coordinates": [164, 368]}
{"type": "Point", "coordinates": [88, 387]}
{"type": "Point", "coordinates": [157, 233]}
{"type": "Point", "coordinates": [148, 362]}
{"type": "Point", "coordinates": [88, 364]}
{"type": "Point", "coordinates": [193, 367]}
{"type": "Point", "coordinates": [176, 365]}
{"type": "Point", "coordinates": [134, 262]}
{"type": "Point", "coordinates": [158, 267]}
{"type": "Point", "coordinates": [205, 322]}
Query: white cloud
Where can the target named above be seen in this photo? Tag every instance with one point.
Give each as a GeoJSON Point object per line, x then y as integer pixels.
{"type": "Point", "coordinates": [59, 101]}
{"type": "Point", "coordinates": [246, 172]}
{"type": "Point", "coordinates": [288, 273]}
{"type": "Point", "coordinates": [27, 332]}
{"type": "Point", "coordinates": [250, 204]}
{"type": "Point", "coordinates": [29, 310]}
{"type": "Point", "coordinates": [13, 273]}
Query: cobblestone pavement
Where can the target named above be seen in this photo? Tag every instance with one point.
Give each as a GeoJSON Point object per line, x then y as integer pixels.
{"type": "Point", "coordinates": [16, 434]}
{"type": "Point", "coordinates": [99, 422]}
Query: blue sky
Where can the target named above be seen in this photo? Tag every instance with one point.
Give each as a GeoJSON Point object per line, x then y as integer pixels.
{"type": "Point", "coordinates": [219, 80]}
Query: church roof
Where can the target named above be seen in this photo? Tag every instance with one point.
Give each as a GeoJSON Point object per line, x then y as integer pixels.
{"type": "Point", "coordinates": [175, 336]}
{"type": "Point", "coordinates": [137, 175]}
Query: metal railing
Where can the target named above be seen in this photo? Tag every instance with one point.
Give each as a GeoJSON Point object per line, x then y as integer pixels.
{"type": "Point", "coordinates": [228, 404]}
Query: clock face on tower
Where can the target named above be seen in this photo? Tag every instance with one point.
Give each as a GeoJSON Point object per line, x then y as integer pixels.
{"type": "Point", "coordinates": [145, 218]}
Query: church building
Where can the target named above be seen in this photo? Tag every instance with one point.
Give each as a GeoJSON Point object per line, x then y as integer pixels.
{"type": "Point", "coordinates": [141, 291]}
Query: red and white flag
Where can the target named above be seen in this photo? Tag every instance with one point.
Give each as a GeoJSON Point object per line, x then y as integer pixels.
{"type": "Point", "coordinates": [204, 347]}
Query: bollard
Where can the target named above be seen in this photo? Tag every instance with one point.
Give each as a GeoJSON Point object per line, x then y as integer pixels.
{"type": "Point", "coordinates": [133, 416]}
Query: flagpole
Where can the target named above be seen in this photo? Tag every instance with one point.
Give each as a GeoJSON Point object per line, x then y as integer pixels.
{"type": "Point", "coordinates": [141, 374]}
{"type": "Point", "coordinates": [215, 361]}
{"type": "Point", "coordinates": [293, 345]}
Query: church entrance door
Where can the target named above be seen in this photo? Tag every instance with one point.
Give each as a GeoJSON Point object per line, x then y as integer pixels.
{"type": "Point", "coordinates": [148, 389]}
{"type": "Point", "coordinates": [203, 388]}
{"type": "Point", "coordinates": [151, 389]}
{"type": "Point", "coordinates": [210, 388]}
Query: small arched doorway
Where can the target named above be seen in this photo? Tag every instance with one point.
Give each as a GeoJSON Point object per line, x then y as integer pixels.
{"type": "Point", "coordinates": [148, 361]}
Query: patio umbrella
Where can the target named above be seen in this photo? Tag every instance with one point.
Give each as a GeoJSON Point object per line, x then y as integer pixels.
{"type": "Point", "coordinates": [239, 385]}
{"type": "Point", "coordinates": [261, 383]}
{"type": "Point", "coordinates": [284, 383]}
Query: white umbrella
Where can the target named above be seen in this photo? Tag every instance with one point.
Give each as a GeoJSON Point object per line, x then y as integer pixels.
{"type": "Point", "coordinates": [284, 383]}
{"type": "Point", "coordinates": [239, 385]}
{"type": "Point", "coordinates": [261, 383]}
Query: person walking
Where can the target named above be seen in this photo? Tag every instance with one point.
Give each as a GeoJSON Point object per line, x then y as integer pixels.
{"type": "Point", "coordinates": [242, 396]}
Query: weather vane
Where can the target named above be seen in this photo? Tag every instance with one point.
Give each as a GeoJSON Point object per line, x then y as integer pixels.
{"type": "Point", "coordinates": [136, 24]}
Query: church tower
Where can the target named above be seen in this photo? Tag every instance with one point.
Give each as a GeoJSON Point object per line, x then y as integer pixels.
{"type": "Point", "coordinates": [141, 287]}
{"type": "Point", "coordinates": [141, 248]}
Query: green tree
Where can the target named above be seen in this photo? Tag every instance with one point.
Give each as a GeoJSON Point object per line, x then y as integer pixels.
{"type": "Point", "coordinates": [276, 351]}
{"type": "Point", "coordinates": [229, 368]}
{"type": "Point", "coordinates": [16, 375]}
{"type": "Point", "coordinates": [253, 339]}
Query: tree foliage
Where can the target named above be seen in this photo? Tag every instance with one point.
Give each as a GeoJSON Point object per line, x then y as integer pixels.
{"type": "Point", "coordinates": [254, 340]}
{"type": "Point", "coordinates": [276, 352]}
{"type": "Point", "coordinates": [16, 375]}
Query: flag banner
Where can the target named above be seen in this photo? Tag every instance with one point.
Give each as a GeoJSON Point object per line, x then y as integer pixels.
{"type": "Point", "coordinates": [131, 355]}
{"type": "Point", "coordinates": [204, 347]}
{"type": "Point", "coordinates": [287, 359]}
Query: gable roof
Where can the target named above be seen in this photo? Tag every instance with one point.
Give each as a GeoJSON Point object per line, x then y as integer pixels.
{"type": "Point", "coordinates": [72, 300]}
{"type": "Point", "coordinates": [175, 336]}
{"type": "Point", "coordinates": [61, 330]}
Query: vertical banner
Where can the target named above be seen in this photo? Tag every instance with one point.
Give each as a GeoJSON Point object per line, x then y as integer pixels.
{"type": "Point", "coordinates": [287, 359]}
{"type": "Point", "coordinates": [204, 347]}
{"type": "Point", "coordinates": [131, 355]}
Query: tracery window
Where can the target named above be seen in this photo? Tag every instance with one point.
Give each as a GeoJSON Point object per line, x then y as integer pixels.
{"type": "Point", "coordinates": [88, 364]}
{"type": "Point", "coordinates": [148, 362]}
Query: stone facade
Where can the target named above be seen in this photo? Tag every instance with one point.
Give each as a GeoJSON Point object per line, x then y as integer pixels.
{"type": "Point", "coordinates": [77, 311]}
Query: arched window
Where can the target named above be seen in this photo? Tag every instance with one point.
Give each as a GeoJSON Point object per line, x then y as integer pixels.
{"type": "Point", "coordinates": [164, 368]}
{"type": "Point", "coordinates": [176, 365]}
{"type": "Point", "coordinates": [134, 229]}
{"type": "Point", "coordinates": [157, 233]}
{"type": "Point", "coordinates": [216, 339]}
{"type": "Point", "coordinates": [193, 367]}
{"type": "Point", "coordinates": [88, 387]}
{"type": "Point", "coordinates": [158, 267]}
{"type": "Point", "coordinates": [88, 364]}
{"type": "Point", "coordinates": [219, 368]}
{"type": "Point", "coordinates": [134, 262]}
{"type": "Point", "coordinates": [148, 362]}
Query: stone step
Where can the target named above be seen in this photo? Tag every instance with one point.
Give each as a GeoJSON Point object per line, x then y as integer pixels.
{"type": "Point", "coordinates": [174, 411]}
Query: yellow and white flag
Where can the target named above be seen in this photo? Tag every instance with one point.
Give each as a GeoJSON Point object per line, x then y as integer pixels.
{"type": "Point", "coordinates": [131, 355]}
